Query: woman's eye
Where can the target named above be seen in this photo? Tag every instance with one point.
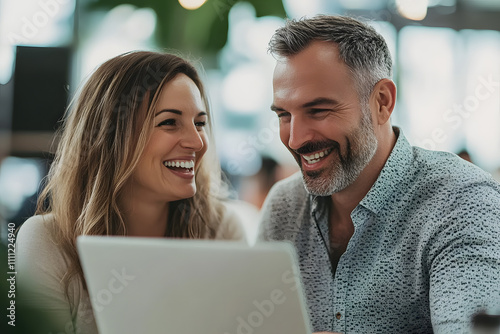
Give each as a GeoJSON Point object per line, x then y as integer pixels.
{"type": "Point", "coordinates": [200, 124]}
{"type": "Point", "coordinates": [167, 122]}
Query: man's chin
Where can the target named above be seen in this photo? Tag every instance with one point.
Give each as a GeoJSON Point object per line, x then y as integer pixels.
{"type": "Point", "coordinates": [312, 174]}
{"type": "Point", "coordinates": [317, 191]}
{"type": "Point", "coordinates": [323, 185]}
{"type": "Point", "coordinates": [314, 185]}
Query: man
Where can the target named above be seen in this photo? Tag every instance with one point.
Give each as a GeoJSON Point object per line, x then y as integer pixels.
{"type": "Point", "coordinates": [391, 238]}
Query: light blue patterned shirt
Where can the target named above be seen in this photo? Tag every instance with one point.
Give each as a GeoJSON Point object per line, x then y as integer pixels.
{"type": "Point", "coordinates": [425, 254]}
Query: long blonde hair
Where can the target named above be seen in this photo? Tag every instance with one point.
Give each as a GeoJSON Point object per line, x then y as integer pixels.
{"type": "Point", "coordinates": [101, 141]}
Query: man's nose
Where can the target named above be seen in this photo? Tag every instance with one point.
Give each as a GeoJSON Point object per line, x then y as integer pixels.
{"type": "Point", "coordinates": [300, 133]}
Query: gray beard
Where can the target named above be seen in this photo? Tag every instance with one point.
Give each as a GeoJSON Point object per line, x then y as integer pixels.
{"type": "Point", "coordinates": [340, 174]}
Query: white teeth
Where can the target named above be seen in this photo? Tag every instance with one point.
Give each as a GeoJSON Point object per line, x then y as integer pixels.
{"type": "Point", "coordinates": [313, 158]}
{"type": "Point", "coordinates": [182, 164]}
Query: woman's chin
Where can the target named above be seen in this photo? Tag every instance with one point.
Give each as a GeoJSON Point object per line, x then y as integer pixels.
{"type": "Point", "coordinates": [183, 195]}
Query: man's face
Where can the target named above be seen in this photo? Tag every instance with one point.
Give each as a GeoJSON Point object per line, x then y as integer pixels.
{"type": "Point", "coordinates": [322, 122]}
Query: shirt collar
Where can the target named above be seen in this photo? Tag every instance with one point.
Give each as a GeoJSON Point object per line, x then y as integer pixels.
{"type": "Point", "coordinates": [318, 205]}
{"type": "Point", "coordinates": [394, 173]}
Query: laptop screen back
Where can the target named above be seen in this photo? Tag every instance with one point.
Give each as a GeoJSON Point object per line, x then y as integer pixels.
{"type": "Point", "coordinates": [145, 285]}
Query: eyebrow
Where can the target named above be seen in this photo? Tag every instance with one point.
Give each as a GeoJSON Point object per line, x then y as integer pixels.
{"type": "Point", "coordinates": [275, 108]}
{"type": "Point", "coordinates": [313, 103]}
{"type": "Point", "coordinates": [179, 112]}
{"type": "Point", "coordinates": [318, 101]}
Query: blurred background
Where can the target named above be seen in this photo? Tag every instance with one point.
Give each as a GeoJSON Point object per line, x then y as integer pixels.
{"type": "Point", "coordinates": [446, 57]}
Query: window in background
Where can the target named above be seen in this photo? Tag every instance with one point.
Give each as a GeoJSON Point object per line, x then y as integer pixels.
{"type": "Point", "coordinates": [300, 8]}
{"type": "Point", "coordinates": [449, 91]}
{"type": "Point", "coordinates": [481, 98]}
{"type": "Point", "coordinates": [241, 94]}
{"type": "Point", "coordinates": [33, 23]}
{"type": "Point", "coordinates": [106, 34]}
{"type": "Point", "coordinates": [428, 71]}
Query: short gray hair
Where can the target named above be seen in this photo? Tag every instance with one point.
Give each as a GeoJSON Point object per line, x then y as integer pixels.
{"type": "Point", "coordinates": [361, 48]}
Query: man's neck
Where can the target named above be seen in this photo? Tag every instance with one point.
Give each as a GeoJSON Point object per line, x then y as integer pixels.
{"type": "Point", "coordinates": [341, 227]}
{"type": "Point", "coordinates": [345, 201]}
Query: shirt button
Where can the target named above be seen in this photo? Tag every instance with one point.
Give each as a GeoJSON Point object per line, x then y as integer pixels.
{"type": "Point", "coordinates": [338, 315]}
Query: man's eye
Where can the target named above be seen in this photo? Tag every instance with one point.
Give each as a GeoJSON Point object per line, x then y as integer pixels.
{"type": "Point", "coordinates": [282, 114]}
{"type": "Point", "coordinates": [318, 111]}
{"type": "Point", "coordinates": [167, 122]}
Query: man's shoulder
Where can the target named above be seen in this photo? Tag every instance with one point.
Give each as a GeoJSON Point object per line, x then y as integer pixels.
{"type": "Point", "coordinates": [285, 204]}
{"type": "Point", "coordinates": [438, 165]}
{"type": "Point", "coordinates": [449, 183]}
{"type": "Point", "coordinates": [290, 189]}
{"type": "Point", "coordinates": [290, 185]}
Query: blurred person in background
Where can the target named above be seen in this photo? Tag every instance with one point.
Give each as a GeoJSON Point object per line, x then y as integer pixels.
{"type": "Point", "coordinates": [464, 154]}
{"type": "Point", "coordinates": [256, 187]}
{"type": "Point", "coordinates": [496, 174]}
{"type": "Point", "coordinates": [133, 160]}
{"type": "Point", "coordinates": [390, 238]}
{"type": "Point", "coordinates": [252, 192]}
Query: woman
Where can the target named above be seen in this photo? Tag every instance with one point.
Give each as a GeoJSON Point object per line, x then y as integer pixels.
{"type": "Point", "coordinates": [133, 160]}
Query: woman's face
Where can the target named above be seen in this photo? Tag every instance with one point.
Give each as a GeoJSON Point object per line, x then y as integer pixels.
{"type": "Point", "coordinates": [167, 167]}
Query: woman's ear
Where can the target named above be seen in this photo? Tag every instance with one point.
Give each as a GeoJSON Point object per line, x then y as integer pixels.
{"type": "Point", "coordinates": [384, 100]}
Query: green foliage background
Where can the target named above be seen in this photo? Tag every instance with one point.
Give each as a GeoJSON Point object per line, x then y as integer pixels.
{"type": "Point", "coordinates": [201, 31]}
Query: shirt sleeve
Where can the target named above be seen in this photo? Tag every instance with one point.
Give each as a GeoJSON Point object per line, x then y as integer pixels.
{"type": "Point", "coordinates": [40, 268]}
{"type": "Point", "coordinates": [268, 214]}
{"type": "Point", "coordinates": [265, 217]}
{"type": "Point", "coordinates": [465, 261]}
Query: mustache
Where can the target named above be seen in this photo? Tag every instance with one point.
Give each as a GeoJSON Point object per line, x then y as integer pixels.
{"type": "Point", "coordinates": [310, 147]}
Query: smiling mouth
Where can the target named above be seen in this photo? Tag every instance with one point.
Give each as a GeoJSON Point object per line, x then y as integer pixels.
{"type": "Point", "coordinates": [317, 157]}
{"type": "Point", "coordinates": [183, 166]}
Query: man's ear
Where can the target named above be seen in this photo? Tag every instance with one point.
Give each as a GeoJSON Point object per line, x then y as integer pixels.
{"type": "Point", "coordinates": [383, 99]}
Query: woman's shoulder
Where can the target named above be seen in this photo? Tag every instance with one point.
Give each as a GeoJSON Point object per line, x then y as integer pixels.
{"type": "Point", "coordinates": [234, 222]}
{"type": "Point", "coordinates": [40, 260]}
{"type": "Point", "coordinates": [39, 223]}
{"type": "Point", "coordinates": [37, 246]}
{"type": "Point", "coordinates": [41, 265]}
{"type": "Point", "coordinates": [36, 230]}
{"type": "Point", "coordinates": [36, 243]}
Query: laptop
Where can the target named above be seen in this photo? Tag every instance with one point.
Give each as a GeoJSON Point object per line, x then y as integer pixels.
{"type": "Point", "coordinates": [179, 286]}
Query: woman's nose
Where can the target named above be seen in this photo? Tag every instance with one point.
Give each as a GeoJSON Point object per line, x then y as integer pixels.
{"type": "Point", "coordinates": [192, 139]}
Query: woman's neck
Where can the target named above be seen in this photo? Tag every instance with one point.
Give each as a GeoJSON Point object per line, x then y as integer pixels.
{"type": "Point", "coordinates": [145, 218]}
